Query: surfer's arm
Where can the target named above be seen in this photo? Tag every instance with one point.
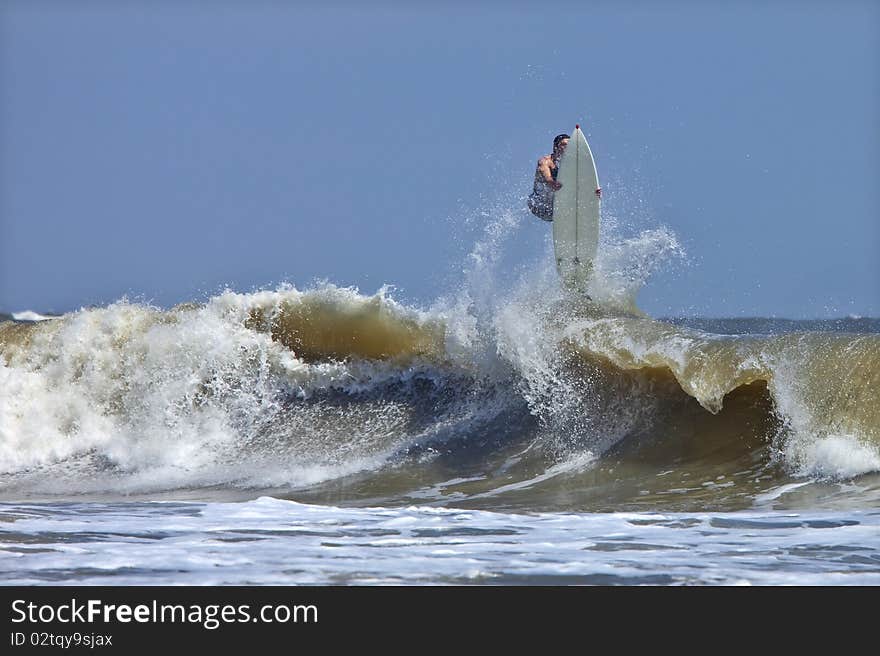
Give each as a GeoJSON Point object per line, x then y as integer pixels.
{"type": "Point", "coordinates": [547, 174]}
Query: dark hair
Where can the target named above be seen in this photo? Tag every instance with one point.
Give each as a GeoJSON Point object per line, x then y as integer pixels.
{"type": "Point", "coordinates": [558, 138]}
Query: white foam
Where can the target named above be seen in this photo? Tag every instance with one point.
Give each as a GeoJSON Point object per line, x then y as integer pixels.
{"type": "Point", "coordinates": [832, 456]}
{"type": "Point", "coordinates": [30, 315]}
{"type": "Point", "coordinates": [777, 492]}
{"type": "Point", "coordinates": [806, 444]}
{"type": "Point", "coordinates": [578, 463]}
{"type": "Point", "coordinates": [143, 399]}
{"type": "Point", "coordinates": [271, 541]}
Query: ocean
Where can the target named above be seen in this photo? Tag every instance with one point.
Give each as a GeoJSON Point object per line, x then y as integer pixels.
{"type": "Point", "coordinates": [502, 434]}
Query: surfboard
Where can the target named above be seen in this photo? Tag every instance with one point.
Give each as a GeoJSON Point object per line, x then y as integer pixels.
{"type": "Point", "coordinates": [576, 208]}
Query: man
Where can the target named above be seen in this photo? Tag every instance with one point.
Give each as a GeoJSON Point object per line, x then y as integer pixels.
{"type": "Point", "coordinates": [541, 198]}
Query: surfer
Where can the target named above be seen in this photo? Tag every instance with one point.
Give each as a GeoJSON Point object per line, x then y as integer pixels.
{"type": "Point", "coordinates": [541, 199]}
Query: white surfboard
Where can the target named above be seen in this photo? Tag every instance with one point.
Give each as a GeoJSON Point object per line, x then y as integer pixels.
{"type": "Point", "coordinates": [576, 213]}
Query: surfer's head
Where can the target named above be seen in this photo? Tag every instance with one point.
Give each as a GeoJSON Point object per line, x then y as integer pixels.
{"type": "Point", "coordinates": [560, 141]}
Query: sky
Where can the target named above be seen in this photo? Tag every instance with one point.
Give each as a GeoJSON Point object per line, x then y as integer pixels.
{"type": "Point", "coordinates": [163, 151]}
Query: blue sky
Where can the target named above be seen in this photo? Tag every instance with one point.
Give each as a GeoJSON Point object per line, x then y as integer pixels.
{"type": "Point", "coordinates": [165, 150]}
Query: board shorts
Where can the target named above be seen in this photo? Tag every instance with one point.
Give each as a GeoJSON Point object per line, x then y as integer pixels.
{"type": "Point", "coordinates": [541, 204]}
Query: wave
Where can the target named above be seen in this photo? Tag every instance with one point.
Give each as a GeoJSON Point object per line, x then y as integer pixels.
{"type": "Point", "coordinates": [823, 385]}
{"type": "Point", "coordinates": [506, 388]}
{"type": "Point", "coordinates": [291, 388]}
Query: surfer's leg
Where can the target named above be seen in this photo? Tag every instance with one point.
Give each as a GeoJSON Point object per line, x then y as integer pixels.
{"type": "Point", "coordinates": [539, 207]}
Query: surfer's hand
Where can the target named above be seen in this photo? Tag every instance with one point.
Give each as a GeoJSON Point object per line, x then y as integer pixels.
{"type": "Point", "coordinates": [555, 185]}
